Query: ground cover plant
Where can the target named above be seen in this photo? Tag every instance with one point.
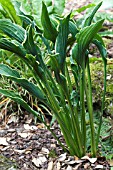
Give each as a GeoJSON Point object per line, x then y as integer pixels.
{"type": "Point", "coordinates": [63, 87]}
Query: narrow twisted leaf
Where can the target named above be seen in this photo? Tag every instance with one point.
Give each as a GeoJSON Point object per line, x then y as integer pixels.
{"type": "Point", "coordinates": [84, 38]}
{"type": "Point", "coordinates": [12, 30]}
{"type": "Point", "coordinates": [101, 49]}
{"type": "Point", "coordinates": [49, 30]}
{"type": "Point", "coordinates": [14, 75]}
{"type": "Point", "coordinates": [99, 38]}
{"type": "Point", "coordinates": [9, 8]}
{"type": "Point", "coordinates": [89, 19]}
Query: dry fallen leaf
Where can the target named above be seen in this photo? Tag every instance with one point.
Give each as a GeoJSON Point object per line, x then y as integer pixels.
{"type": "Point", "coordinates": [99, 167]}
{"type": "Point", "coordinates": [73, 162]}
{"type": "Point", "coordinates": [77, 166]}
{"type": "Point", "coordinates": [86, 165]}
{"type": "Point", "coordinates": [91, 160]}
{"type": "Point", "coordinates": [4, 148]}
{"type": "Point", "coordinates": [1, 147]}
{"type": "Point", "coordinates": [28, 127]}
{"type": "Point", "coordinates": [39, 161]}
{"type": "Point", "coordinates": [40, 126]}
{"type": "Point", "coordinates": [28, 121]}
{"type": "Point", "coordinates": [69, 168]}
{"type": "Point", "coordinates": [62, 157]}
{"type": "Point", "coordinates": [108, 77]}
{"type": "Point", "coordinates": [12, 118]}
{"type": "Point", "coordinates": [44, 151]}
{"type": "Point", "coordinates": [3, 141]}
{"type": "Point", "coordinates": [53, 145]}
{"type": "Point", "coordinates": [20, 151]}
{"type": "Point", "coordinates": [50, 165]}
{"type": "Point", "coordinates": [24, 135]}
{"type": "Point", "coordinates": [58, 166]}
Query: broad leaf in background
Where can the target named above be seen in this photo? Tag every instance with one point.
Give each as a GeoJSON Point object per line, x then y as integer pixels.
{"type": "Point", "coordinates": [59, 6]}
{"type": "Point", "coordinates": [10, 10]}
{"type": "Point", "coordinates": [106, 33]}
{"type": "Point", "coordinates": [34, 7]}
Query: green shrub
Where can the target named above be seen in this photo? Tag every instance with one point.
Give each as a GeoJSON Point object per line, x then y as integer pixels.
{"type": "Point", "coordinates": [54, 88]}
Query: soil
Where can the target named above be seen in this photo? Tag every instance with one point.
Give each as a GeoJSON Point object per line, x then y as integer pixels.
{"type": "Point", "coordinates": [27, 145]}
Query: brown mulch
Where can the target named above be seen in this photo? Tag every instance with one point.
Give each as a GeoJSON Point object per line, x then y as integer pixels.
{"type": "Point", "coordinates": [33, 147]}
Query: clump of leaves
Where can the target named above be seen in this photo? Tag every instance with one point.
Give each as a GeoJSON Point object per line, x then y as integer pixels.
{"type": "Point", "coordinates": [53, 85]}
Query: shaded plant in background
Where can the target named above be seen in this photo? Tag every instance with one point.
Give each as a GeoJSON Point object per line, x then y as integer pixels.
{"type": "Point", "coordinates": [53, 85]}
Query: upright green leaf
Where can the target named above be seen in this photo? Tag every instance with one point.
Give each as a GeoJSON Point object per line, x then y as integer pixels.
{"type": "Point", "coordinates": [12, 30]}
{"type": "Point", "coordinates": [84, 38]}
{"type": "Point", "coordinates": [49, 30]}
{"type": "Point", "coordinates": [61, 41]}
{"type": "Point", "coordinates": [9, 8]}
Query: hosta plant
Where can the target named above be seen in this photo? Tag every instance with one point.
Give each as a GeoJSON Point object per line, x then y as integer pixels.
{"type": "Point", "coordinates": [62, 85]}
